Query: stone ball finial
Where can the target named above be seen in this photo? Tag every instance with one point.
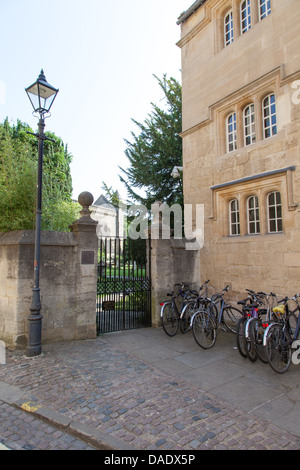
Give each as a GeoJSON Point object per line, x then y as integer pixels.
{"type": "Point", "coordinates": [85, 199]}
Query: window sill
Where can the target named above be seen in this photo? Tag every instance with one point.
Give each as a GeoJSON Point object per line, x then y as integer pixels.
{"type": "Point", "coordinates": [247, 148]}
{"type": "Point", "coordinates": [248, 237]}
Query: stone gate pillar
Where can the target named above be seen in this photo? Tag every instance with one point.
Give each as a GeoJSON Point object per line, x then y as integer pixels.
{"type": "Point", "coordinates": [171, 263]}
{"type": "Point", "coordinates": [84, 230]}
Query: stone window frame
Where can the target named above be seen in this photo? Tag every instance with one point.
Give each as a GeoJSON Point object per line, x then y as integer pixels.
{"type": "Point", "coordinates": [261, 185]}
{"type": "Point", "coordinates": [256, 98]}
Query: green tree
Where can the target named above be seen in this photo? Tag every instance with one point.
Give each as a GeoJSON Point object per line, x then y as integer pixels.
{"type": "Point", "coordinates": [156, 150]}
{"type": "Point", "coordinates": [18, 180]}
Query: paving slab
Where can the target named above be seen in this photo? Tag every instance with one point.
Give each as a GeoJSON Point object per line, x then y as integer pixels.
{"type": "Point", "coordinates": [223, 373]}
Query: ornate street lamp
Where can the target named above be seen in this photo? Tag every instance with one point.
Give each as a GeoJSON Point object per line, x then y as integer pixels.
{"type": "Point", "coordinates": [42, 96]}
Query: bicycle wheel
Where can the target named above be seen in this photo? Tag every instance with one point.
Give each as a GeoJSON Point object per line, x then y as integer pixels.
{"type": "Point", "coordinates": [278, 351]}
{"type": "Point", "coordinates": [204, 329]}
{"type": "Point", "coordinates": [240, 337]}
{"type": "Point", "coordinates": [230, 317]}
{"type": "Point", "coordinates": [292, 320]}
{"type": "Point", "coordinates": [186, 316]}
{"type": "Point", "coordinates": [256, 332]}
{"type": "Point", "coordinates": [250, 345]}
{"type": "Point", "coordinates": [170, 319]}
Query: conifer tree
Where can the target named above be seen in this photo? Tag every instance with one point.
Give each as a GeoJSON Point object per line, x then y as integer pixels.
{"type": "Point", "coordinates": [156, 150]}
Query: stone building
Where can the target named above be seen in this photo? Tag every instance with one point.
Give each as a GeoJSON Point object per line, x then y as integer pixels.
{"type": "Point", "coordinates": [241, 138]}
{"type": "Point", "coordinates": [110, 219]}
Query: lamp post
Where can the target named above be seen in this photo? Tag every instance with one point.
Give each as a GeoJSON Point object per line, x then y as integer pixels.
{"type": "Point", "coordinates": [41, 96]}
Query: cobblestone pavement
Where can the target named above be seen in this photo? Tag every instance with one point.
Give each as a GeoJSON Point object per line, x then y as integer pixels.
{"type": "Point", "coordinates": [107, 396]}
{"type": "Point", "coordinates": [22, 431]}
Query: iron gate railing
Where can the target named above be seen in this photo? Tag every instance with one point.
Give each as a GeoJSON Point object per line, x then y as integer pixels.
{"type": "Point", "coordinates": [124, 284]}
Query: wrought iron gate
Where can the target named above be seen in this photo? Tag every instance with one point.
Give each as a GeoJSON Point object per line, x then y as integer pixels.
{"type": "Point", "coordinates": [124, 284]}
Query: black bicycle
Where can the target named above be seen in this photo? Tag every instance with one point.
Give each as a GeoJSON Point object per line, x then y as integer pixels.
{"type": "Point", "coordinates": [192, 305]}
{"type": "Point", "coordinates": [280, 337]}
{"type": "Point", "coordinates": [218, 315]}
{"type": "Point", "coordinates": [249, 310]}
{"type": "Point", "coordinates": [250, 329]}
{"type": "Point", "coordinates": [256, 326]}
{"type": "Point", "coordinates": [172, 309]}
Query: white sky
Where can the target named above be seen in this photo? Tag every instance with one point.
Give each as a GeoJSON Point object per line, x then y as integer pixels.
{"type": "Point", "coordinates": [102, 56]}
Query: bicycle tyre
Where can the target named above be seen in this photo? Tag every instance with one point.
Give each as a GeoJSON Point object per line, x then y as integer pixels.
{"type": "Point", "coordinates": [186, 316]}
{"type": "Point", "coordinates": [204, 329]}
{"type": "Point", "coordinates": [256, 332]}
{"type": "Point", "coordinates": [279, 354]}
{"type": "Point", "coordinates": [170, 319]}
{"type": "Point", "coordinates": [230, 318]}
{"type": "Point", "coordinates": [292, 320]}
{"type": "Point", "coordinates": [250, 349]}
{"type": "Point", "coordinates": [240, 337]}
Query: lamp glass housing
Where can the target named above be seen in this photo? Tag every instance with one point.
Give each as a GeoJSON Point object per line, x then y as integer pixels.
{"type": "Point", "coordinates": [41, 94]}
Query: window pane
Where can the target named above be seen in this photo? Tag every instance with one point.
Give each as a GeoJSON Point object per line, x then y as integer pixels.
{"type": "Point", "coordinates": [278, 197]}
{"type": "Point", "coordinates": [272, 226]}
{"type": "Point", "coordinates": [279, 211]}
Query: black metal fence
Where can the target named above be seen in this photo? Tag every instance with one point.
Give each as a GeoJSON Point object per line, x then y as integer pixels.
{"type": "Point", "coordinates": [124, 285]}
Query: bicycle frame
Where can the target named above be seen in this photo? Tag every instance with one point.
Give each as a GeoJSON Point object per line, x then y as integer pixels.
{"type": "Point", "coordinates": [290, 340]}
{"type": "Point", "coordinates": [202, 299]}
{"type": "Point", "coordinates": [173, 299]}
{"type": "Point", "coordinates": [219, 300]}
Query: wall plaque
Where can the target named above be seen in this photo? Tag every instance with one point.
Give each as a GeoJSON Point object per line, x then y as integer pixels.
{"type": "Point", "coordinates": [109, 305]}
{"type": "Point", "coordinates": [88, 257]}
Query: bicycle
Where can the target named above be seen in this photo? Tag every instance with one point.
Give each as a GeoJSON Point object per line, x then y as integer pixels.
{"type": "Point", "coordinates": [255, 329]}
{"type": "Point", "coordinates": [170, 313]}
{"type": "Point", "coordinates": [207, 322]}
{"type": "Point", "coordinates": [280, 335]}
{"type": "Point", "coordinates": [249, 310]}
{"type": "Point", "coordinates": [191, 306]}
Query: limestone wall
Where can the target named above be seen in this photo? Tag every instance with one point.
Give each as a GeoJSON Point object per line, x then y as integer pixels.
{"type": "Point", "coordinates": [218, 81]}
{"type": "Point", "coordinates": [68, 283]}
